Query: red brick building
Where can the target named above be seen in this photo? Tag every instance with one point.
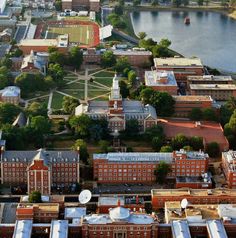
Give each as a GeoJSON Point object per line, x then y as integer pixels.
{"type": "Point", "coordinates": [182, 67]}
{"type": "Point", "coordinates": [209, 131]}
{"type": "Point", "coordinates": [229, 167]}
{"type": "Point", "coordinates": [40, 170]}
{"type": "Point", "coordinates": [140, 167]}
{"type": "Point", "coordinates": [194, 196]}
{"type": "Point", "coordinates": [185, 104]}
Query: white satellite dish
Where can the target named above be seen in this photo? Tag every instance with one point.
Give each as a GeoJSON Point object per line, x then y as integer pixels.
{"type": "Point", "coordinates": [184, 203]}
{"type": "Point", "coordinates": [85, 196]}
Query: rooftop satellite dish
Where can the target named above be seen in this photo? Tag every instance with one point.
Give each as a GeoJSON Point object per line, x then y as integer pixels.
{"type": "Point", "coordinates": [184, 203]}
{"type": "Point", "coordinates": [85, 196]}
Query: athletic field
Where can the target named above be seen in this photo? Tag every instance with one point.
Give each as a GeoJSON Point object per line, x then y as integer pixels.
{"type": "Point", "coordinates": [82, 34]}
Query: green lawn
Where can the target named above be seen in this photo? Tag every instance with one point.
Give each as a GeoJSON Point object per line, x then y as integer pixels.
{"type": "Point", "coordinates": [57, 100]}
{"type": "Point", "coordinates": [105, 80]}
{"type": "Point", "coordinates": [104, 73]}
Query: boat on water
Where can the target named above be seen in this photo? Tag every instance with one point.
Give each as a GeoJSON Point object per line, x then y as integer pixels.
{"type": "Point", "coordinates": [187, 20]}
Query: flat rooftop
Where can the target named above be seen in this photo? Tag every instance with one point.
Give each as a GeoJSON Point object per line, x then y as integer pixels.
{"type": "Point", "coordinates": [154, 78]}
{"type": "Point", "coordinates": [216, 229]}
{"type": "Point", "coordinates": [193, 192]}
{"type": "Point", "coordinates": [192, 98]}
{"type": "Point", "coordinates": [110, 201]}
{"type": "Point", "coordinates": [43, 207]}
{"type": "Point", "coordinates": [191, 179]}
{"type": "Point", "coordinates": [178, 62]}
{"type": "Point", "coordinates": [59, 229]}
{"type": "Point", "coordinates": [132, 52]}
{"type": "Point", "coordinates": [23, 229]}
{"type": "Point", "coordinates": [212, 87]}
{"type": "Point", "coordinates": [75, 212]}
{"type": "Point", "coordinates": [38, 42]}
{"type": "Point", "coordinates": [210, 78]}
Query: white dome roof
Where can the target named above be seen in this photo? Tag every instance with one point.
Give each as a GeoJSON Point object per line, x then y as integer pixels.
{"type": "Point", "coordinates": [119, 213]}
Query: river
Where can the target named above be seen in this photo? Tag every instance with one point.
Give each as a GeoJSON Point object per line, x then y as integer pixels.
{"type": "Point", "coordinates": [211, 36]}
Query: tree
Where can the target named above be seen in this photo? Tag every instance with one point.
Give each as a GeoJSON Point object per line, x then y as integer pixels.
{"type": "Point", "coordinates": [8, 113]}
{"type": "Point", "coordinates": [57, 73]}
{"type": "Point", "coordinates": [37, 109]}
{"type": "Point", "coordinates": [209, 114]}
{"type": "Point", "coordinates": [41, 125]}
{"type": "Point", "coordinates": [5, 77]}
{"type": "Point", "coordinates": [161, 172]}
{"type": "Point", "coordinates": [69, 104]}
{"type": "Point", "coordinates": [196, 143]}
{"type": "Point", "coordinates": [200, 2]}
{"type": "Point", "coordinates": [99, 130]}
{"type": "Point", "coordinates": [164, 103]}
{"type": "Point", "coordinates": [136, 2]}
{"type": "Point", "coordinates": [165, 42]}
{"type": "Point", "coordinates": [121, 64]}
{"type": "Point", "coordinates": [155, 2]}
{"type": "Point", "coordinates": [132, 77]}
{"type": "Point", "coordinates": [132, 128]}
{"type": "Point", "coordinates": [75, 57]}
{"type": "Point", "coordinates": [124, 90]}
{"type": "Point", "coordinates": [179, 141]}
{"type": "Point", "coordinates": [6, 62]}
{"type": "Point", "coordinates": [58, 5]}
{"type": "Point", "coordinates": [157, 143]}
{"type": "Point", "coordinates": [57, 57]}
{"type": "Point", "coordinates": [108, 59]}
{"type": "Point", "coordinates": [188, 148]}
{"type": "Point", "coordinates": [195, 114]}
{"type": "Point", "coordinates": [81, 146]}
{"type": "Point", "coordinates": [118, 9]}
{"type": "Point", "coordinates": [166, 149]}
{"type": "Point", "coordinates": [186, 2]}
{"type": "Point", "coordinates": [116, 20]}
{"type": "Point", "coordinates": [146, 95]}
{"type": "Point", "coordinates": [142, 35]}
{"type": "Point", "coordinates": [80, 125]}
{"type": "Point", "coordinates": [35, 197]}
{"type": "Point", "coordinates": [153, 131]}
{"type": "Point", "coordinates": [213, 149]}
{"type": "Point", "coordinates": [176, 3]}
{"type": "Point", "coordinates": [103, 145]}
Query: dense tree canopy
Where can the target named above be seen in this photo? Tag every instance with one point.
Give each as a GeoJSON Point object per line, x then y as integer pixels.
{"type": "Point", "coordinates": [161, 172]}
{"type": "Point", "coordinates": [37, 109]}
{"type": "Point", "coordinates": [81, 146]}
{"type": "Point", "coordinates": [69, 104]}
{"type": "Point", "coordinates": [8, 112]}
{"type": "Point", "coordinates": [108, 59]}
{"type": "Point", "coordinates": [75, 58]}
{"type": "Point", "coordinates": [213, 149]}
{"type": "Point", "coordinates": [5, 77]}
{"type": "Point", "coordinates": [35, 197]}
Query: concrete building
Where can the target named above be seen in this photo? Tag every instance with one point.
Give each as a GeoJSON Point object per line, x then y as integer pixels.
{"type": "Point", "coordinates": [194, 196]}
{"type": "Point", "coordinates": [182, 67]}
{"type": "Point", "coordinates": [209, 79]}
{"type": "Point", "coordinates": [185, 104]}
{"type": "Point", "coordinates": [139, 167]}
{"type": "Point", "coordinates": [6, 35]}
{"type": "Point", "coordinates": [117, 110]}
{"type": "Point", "coordinates": [209, 131]}
{"type": "Point", "coordinates": [220, 92]}
{"type": "Point", "coordinates": [2, 5]}
{"type": "Point", "coordinates": [10, 94]}
{"type": "Point", "coordinates": [229, 167]}
{"type": "Point", "coordinates": [162, 81]}
{"type": "Point", "coordinates": [40, 170]}
{"type": "Point", "coordinates": [42, 45]}
{"type": "Point", "coordinates": [137, 57]}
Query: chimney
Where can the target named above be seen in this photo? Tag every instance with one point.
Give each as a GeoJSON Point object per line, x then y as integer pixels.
{"type": "Point", "coordinates": [137, 200]}
{"type": "Point", "coordinates": [118, 203]}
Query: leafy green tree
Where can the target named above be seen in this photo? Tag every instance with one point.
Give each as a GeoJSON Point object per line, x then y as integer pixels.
{"type": "Point", "coordinates": [186, 2]}
{"type": "Point", "coordinates": [116, 20]}
{"type": "Point", "coordinates": [132, 77]}
{"type": "Point", "coordinates": [161, 172]}
{"type": "Point", "coordinates": [81, 146]}
{"type": "Point", "coordinates": [80, 125]}
{"type": "Point", "coordinates": [147, 44]}
{"type": "Point", "coordinates": [213, 149]}
{"type": "Point", "coordinates": [196, 143]}
{"type": "Point", "coordinates": [69, 104]}
{"type": "Point", "coordinates": [155, 2]}
{"type": "Point", "coordinates": [188, 148]}
{"type": "Point", "coordinates": [132, 128]}
{"type": "Point", "coordinates": [99, 130]}
{"type": "Point", "coordinates": [108, 59]}
{"type": "Point", "coordinates": [124, 90]}
{"type": "Point", "coordinates": [118, 9]}
{"type": "Point", "coordinates": [166, 149]}
{"type": "Point", "coordinates": [136, 2]}
{"type": "Point", "coordinates": [200, 2]}
{"type": "Point", "coordinates": [8, 112]}
{"type": "Point", "coordinates": [142, 35]}
{"type": "Point", "coordinates": [209, 114]}
{"type": "Point", "coordinates": [7, 62]}
{"type": "Point", "coordinates": [179, 141]}
{"type": "Point", "coordinates": [52, 49]}
{"type": "Point", "coordinates": [121, 64]}
{"type": "Point", "coordinates": [153, 131]}
{"type": "Point", "coordinates": [75, 57]}
{"type": "Point", "coordinates": [57, 57]}
{"type": "Point", "coordinates": [103, 145]}
{"type": "Point", "coordinates": [58, 5]}
{"type": "Point", "coordinates": [5, 77]}
{"type": "Point", "coordinates": [195, 114]}
{"type": "Point", "coordinates": [41, 124]}
{"type": "Point", "coordinates": [165, 42]}
{"type": "Point", "coordinates": [57, 73]}
{"type": "Point", "coordinates": [17, 53]}
{"type": "Point", "coordinates": [146, 95]}
{"type": "Point", "coordinates": [37, 109]}
{"type": "Point", "coordinates": [176, 3]}
{"type": "Point", "coordinates": [35, 197]}
{"type": "Point", "coordinates": [157, 143]}
{"type": "Point", "coordinates": [164, 103]}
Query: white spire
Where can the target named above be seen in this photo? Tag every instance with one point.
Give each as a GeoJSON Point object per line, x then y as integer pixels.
{"type": "Point", "coordinates": [115, 90]}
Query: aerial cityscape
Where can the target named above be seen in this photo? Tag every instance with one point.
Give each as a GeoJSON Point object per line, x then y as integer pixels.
{"type": "Point", "coordinates": [117, 119]}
